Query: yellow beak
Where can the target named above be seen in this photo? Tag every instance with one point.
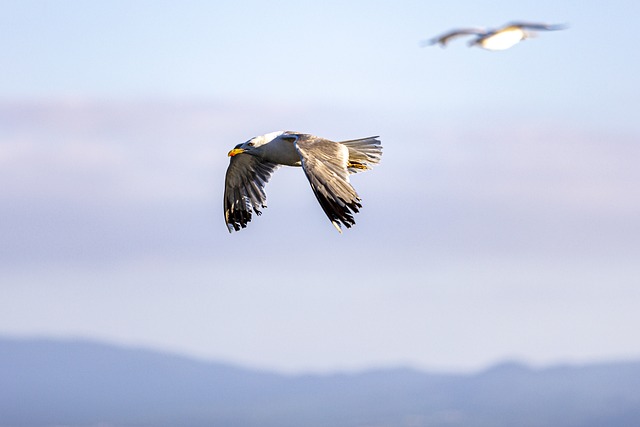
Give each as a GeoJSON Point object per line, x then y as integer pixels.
{"type": "Point", "coordinates": [235, 151]}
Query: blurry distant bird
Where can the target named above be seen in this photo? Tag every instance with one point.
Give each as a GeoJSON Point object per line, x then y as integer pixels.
{"type": "Point", "coordinates": [327, 165]}
{"type": "Point", "coordinates": [498, 39]}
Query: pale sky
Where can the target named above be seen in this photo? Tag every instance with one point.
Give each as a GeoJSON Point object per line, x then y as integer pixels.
{"type": "Point", "coordinates": [503, 222]}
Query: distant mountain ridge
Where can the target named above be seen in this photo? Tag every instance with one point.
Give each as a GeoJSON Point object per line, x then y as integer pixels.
{"type": "Point", "coordinates": [82, 383]}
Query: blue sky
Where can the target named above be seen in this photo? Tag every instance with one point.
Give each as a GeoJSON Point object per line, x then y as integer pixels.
{"type": "Point", "coordinates": [502, 222]}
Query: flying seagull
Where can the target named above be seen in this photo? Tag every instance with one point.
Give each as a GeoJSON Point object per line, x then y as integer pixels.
{"type": "Point", "coordinates": [327, 165]}
{"type": "Point", "coordinates": [496, 39]}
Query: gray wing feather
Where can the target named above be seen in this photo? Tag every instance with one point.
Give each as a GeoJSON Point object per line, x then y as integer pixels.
{"type": "Point", "coordinates": [535, 26]}
{"type": "Point", "coordinates": [244, 185]}
{"type": "Point", "coordinates": [325, 164]}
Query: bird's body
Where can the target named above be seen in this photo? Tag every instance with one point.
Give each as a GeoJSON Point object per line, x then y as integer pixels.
{"type": "Point", "coordinates": [501, 39]}
{"type": "Point", "coordinates": [276, 150]}
{"type": "Point", "coordinates": [327, 165]}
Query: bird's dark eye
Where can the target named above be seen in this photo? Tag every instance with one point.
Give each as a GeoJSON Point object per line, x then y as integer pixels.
{"type": "Point", "coordinates": [250, 144]}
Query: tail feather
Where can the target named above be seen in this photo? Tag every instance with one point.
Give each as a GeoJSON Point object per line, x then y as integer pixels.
{"type": "Point", "coordinates": [363, 153]}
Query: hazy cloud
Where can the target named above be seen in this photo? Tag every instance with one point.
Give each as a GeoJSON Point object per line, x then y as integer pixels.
{"type": "Point", "coordinates": [112, 227]}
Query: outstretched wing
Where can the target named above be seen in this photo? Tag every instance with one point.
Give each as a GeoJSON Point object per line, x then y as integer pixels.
{"type": "Point", "coordinates": [325, 164]}
{"type": "Point", "coordinates": [244, 189]}
{"type": "Point", "coordinates": [443, 39]}
{"type": "Point", "coordinates": [535, 26]}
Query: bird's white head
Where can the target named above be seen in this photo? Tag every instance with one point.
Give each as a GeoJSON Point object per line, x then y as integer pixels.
{"type": "Point", "coordinates": [255, 143]}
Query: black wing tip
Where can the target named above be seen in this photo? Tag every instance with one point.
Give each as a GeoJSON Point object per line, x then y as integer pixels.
{"type": "Point", "coordinates": [340, 212]}
{"type": "Point", "coordinates": [236, 226]}
{"type": "Point", "coordinates": [237, 220]}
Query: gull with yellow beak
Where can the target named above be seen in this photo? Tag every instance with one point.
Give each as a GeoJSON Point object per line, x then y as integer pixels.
{"type": "Point", "coordinates": [327, 165]}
